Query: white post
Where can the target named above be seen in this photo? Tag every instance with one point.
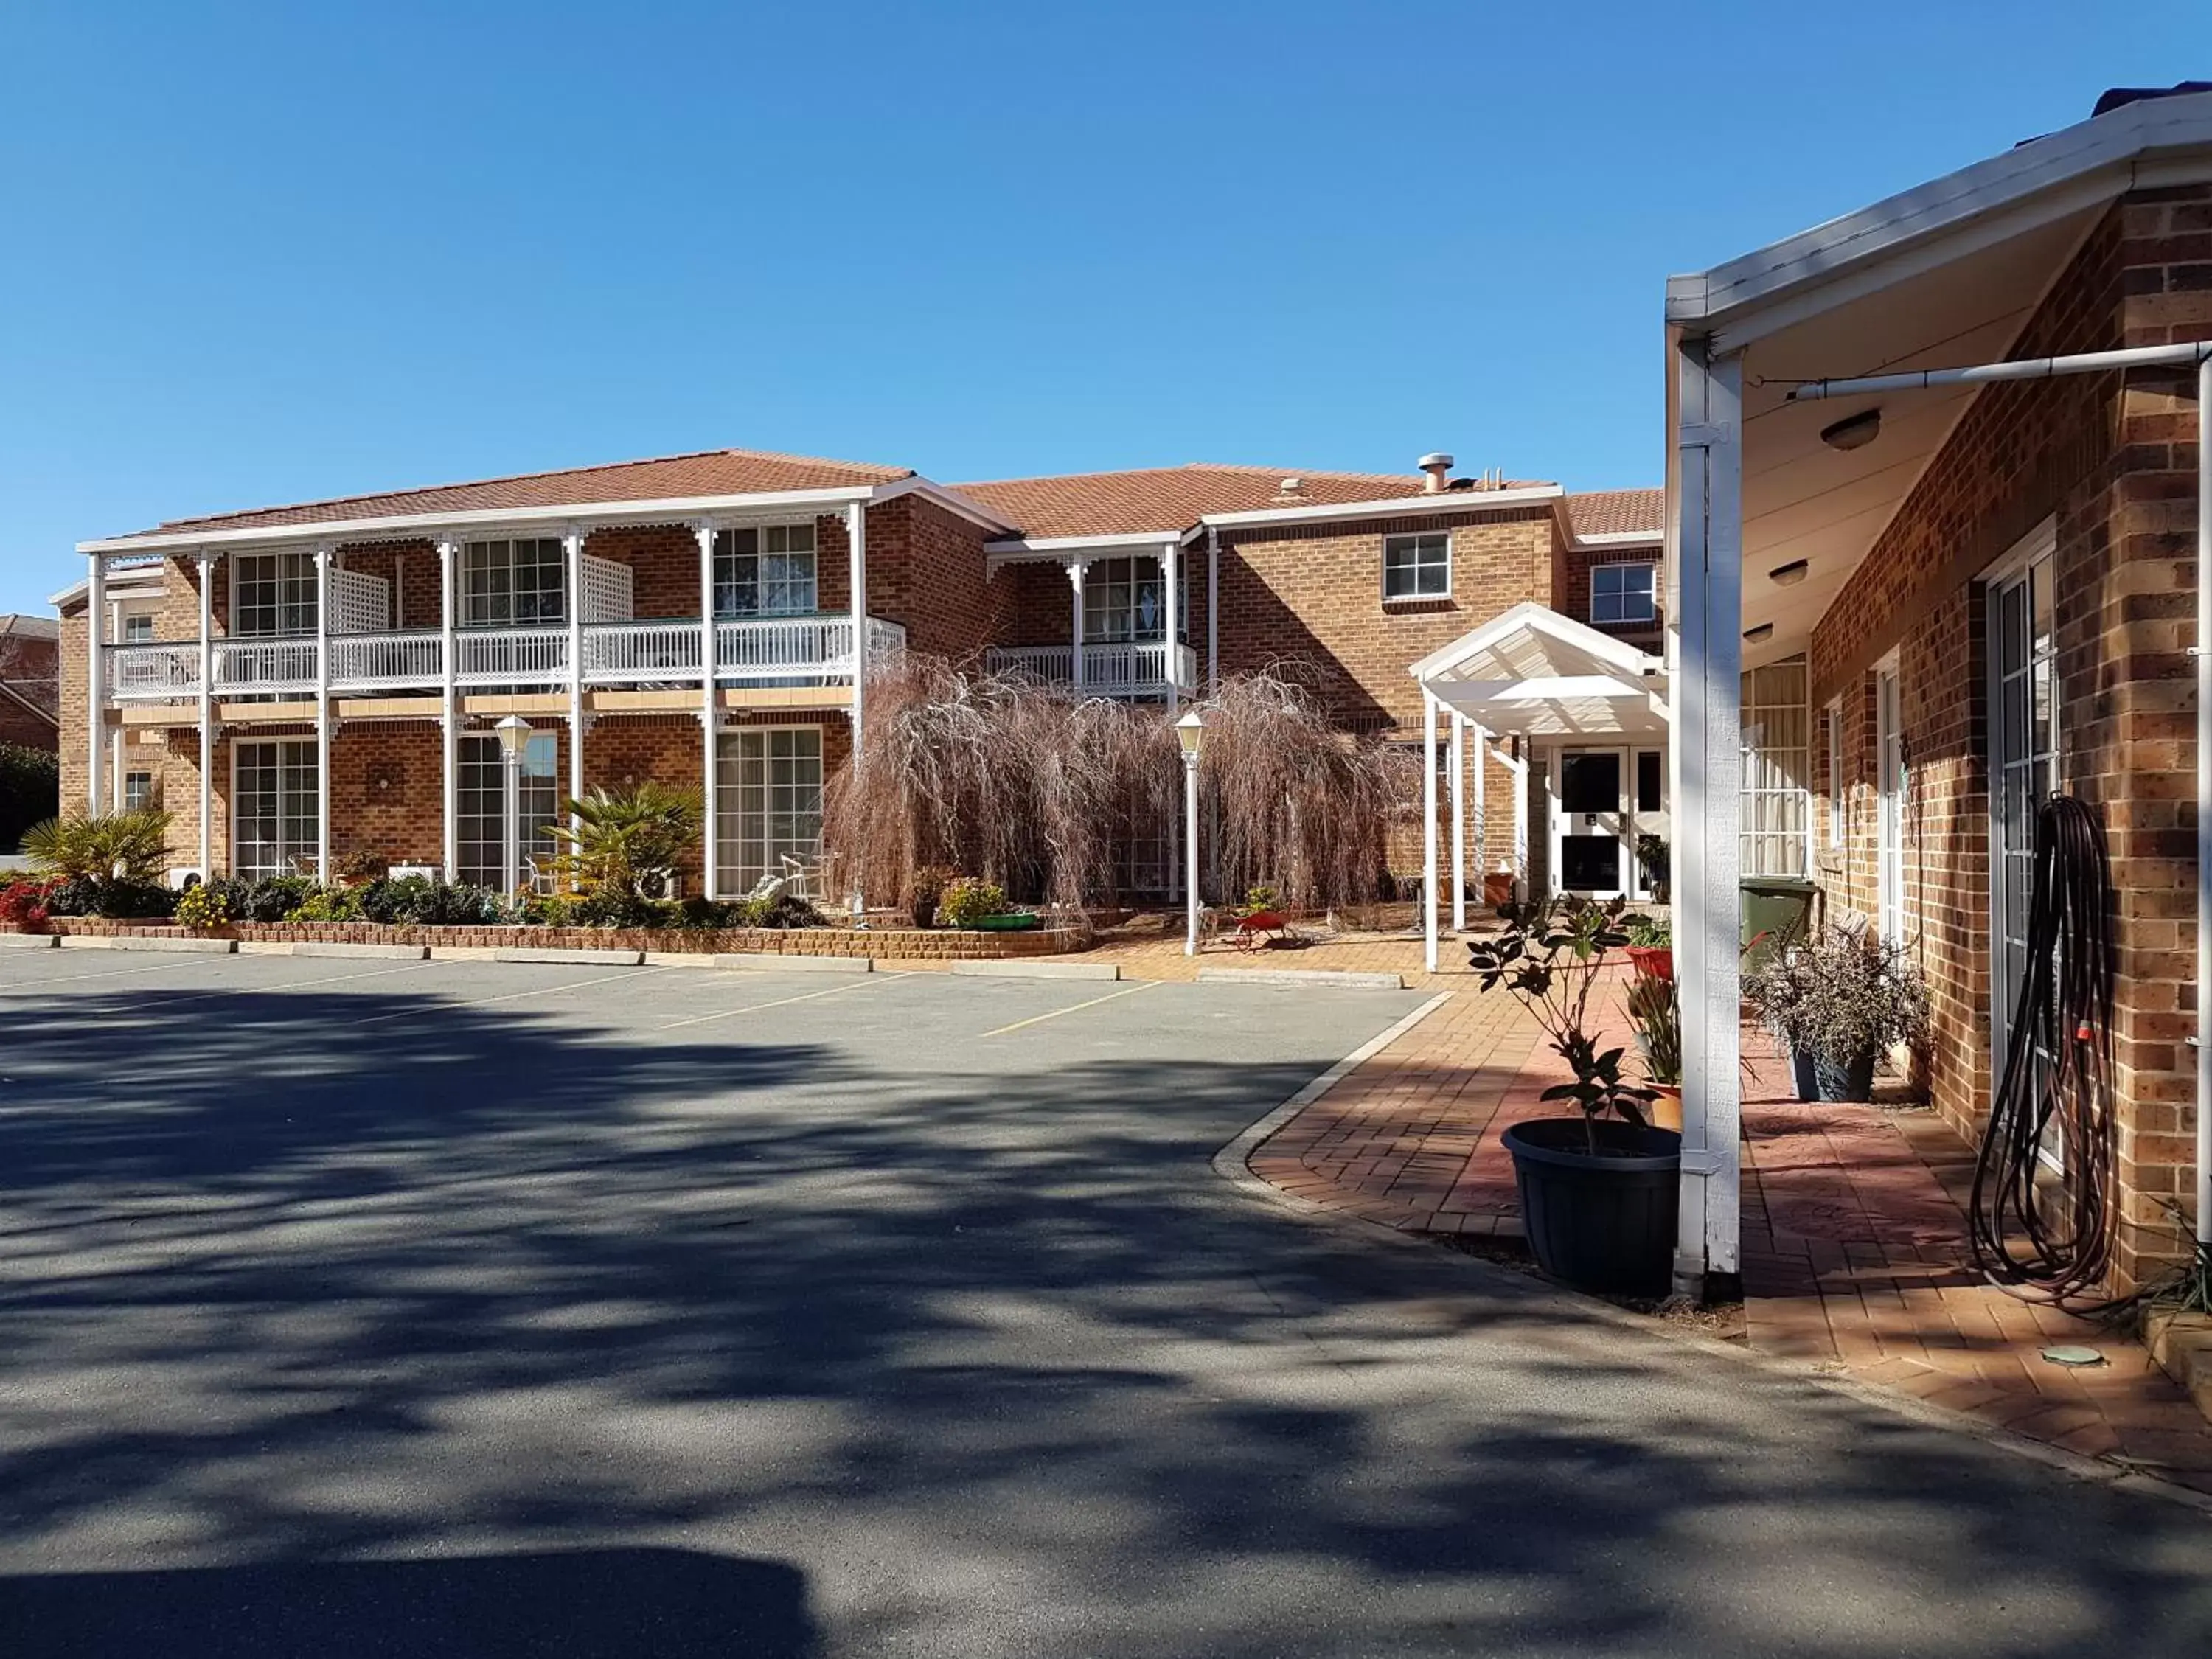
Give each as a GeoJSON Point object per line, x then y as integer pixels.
{"type": "Point", "coordinates": [1075, 571]}
{"type": "Point", "coordinates": [711, 824]}
{"type": "Point", "coordinates": [1169, 560]}
{"type": "Point", "coordinates": [449, 763]}
{"type": "Point", "coordinates": [1481, 807]}
{"type": "Point", "coordinates": [1707, 539]}
{"type": "Point", "coordinates": [1212, 608]}
{"type": "Point", "coordinates": [323, 558]}
{"type": "Point", "coordinates": [95, 676]}
{"type": "Point", "coordinates": [2204, 812]}
{"type": "Point", "coordinates": [1520, 769]}
{"type": "Point", "coordinates": [510, 839]}
{"type": "Point", "coordinates": [1429, 828]}
{"type": "Point", "coordinates": [856, 553]}
{"type": "Point", "coordinates": [1459, 821]}
{"type": "Point", "coordinates": [207, 717]}
{"type": "Point", "coordinates": [572, 545]}
{"type": "Point", "coordinates": [1190, 853]}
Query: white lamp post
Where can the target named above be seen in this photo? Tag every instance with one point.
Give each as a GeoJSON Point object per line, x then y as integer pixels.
{"type": "Point", "coordinates": [1190, 732]}
{"type": "Point", "coordinates": [515, 735]}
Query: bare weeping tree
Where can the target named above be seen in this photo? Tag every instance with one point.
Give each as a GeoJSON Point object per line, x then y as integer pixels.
{"type": "Point", "coordinates": [1044, 790]}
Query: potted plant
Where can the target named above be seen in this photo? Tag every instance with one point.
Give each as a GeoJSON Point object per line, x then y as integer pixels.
{"type": "Point", "coordinates": [1653, 854]}
{"type": "Point", "coordinates": [1653, 1008]}
{"type": "Point", "coordinates": [1597, 1190]}
{"type": "Point", "coordinates": [925, 888]}
{"type": "Point", "coordinates": [1836, 1002]}
{"type": "Point", "coordinates": [1651, 946]}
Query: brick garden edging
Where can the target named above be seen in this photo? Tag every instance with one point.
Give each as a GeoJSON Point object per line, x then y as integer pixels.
{"type": "Point", "coordinates": [887, 944]}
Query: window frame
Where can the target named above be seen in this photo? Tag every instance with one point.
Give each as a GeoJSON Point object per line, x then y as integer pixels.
{"type": "Point", "coordinates": [476, 600]}
{"type": "Point", "coordinates": [138, 790]}
{"type": "Point", "coordinates": [1651, 617]}
{"type": "Point", "coordinates": [293, 592]}
{"type": "Point", "coordinates": [300, 756]}
{"type": "Point", "coordinates": [731, 871]}
{"type": "Point", "coordinates": [727, 554]}
{"type": "Point", "coordinates": [478, 754]}
{"type": "Point", "coordinates": [1417, 536]}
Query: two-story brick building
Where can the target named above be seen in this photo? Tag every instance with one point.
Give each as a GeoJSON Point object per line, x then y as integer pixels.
{"type": "Point", "coordinates": [30, 682]}
{"type": "Point", "coordinates": [297, 685]}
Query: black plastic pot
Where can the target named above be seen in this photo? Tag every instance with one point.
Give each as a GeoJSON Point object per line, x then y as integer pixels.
{"type": "Point", "coordinates": [1603, 1223]}
{"type": "Point", "coordinates": [1845, 1080]}
{"type": "Point", "coordinates": [1805, 1073]}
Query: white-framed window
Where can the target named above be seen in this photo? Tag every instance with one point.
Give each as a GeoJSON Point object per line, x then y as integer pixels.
{"type": "Point", "coordinates": [138, 629]}
{"type": "Point", "coordinates": [1417, 567]}
{"type": "Point", "coordinates": [513, 584]}
{"type": "Point", "coordinates": [272, 593]}
{"type": "Point", "coordinates": [1127, 600]}
{"type": "Point", "coordinates": [137, 791]}
{"type": "Point", "coordinates": [1835, 723]}
{"type": "Point", "coordinates": [768, 801]}
{"type": "Point", "coordinates": [1776, 754]}
{"type": "Point", "coordinates": [1651, 781]}
{"type": "Point", "coordinates": [767, 570]}
{"type": "Point", "coordinates": [1624, 593]}
{"type": "Point", "coordinates": [274, 816]}
{"type": "Point", "coordinates": [481, 787]}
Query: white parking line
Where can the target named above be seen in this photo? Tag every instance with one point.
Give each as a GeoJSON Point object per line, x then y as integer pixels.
{"type": "Point", "coordinates": [104, 973]}
{"type": "Point", "coordinates": [511, 996]}
{"type": "Point", "coordinates": [171, 999]}
{"type": "Point", "coordinates": [1076, 1008]}
{"type": "Point", "coordinates": [781, 1002]}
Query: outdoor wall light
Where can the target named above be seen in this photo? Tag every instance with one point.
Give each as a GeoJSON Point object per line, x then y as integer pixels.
{"type": "Point", "coordinates": [1789, 575]}
{"type": "Point", "coordinates": [1760, 635]}
{"type": "Point", "coordinates": [1854, 431]}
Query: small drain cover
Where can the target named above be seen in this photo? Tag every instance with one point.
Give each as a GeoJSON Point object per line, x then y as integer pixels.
{"type": "Point", "coordinates": [2070, 1354]}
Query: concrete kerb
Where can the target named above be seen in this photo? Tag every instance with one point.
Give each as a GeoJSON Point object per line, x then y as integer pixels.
{"type": "Point", "coordinates": [1019, 968]}
{"type": "Point", "coordinates": [569, 954]}
{"type": "Point", "coordinates": [1341, 978]}
{"type": "Point", "coordinates": [777, 961]}
{"type": "Point", "coordinates": [188, 942]}
{"type": "Point", "coordinates": [29, 941]}
{"type": "Point", "coordinates": [310, 947]}
{"type": "Point", "coordinates": [1232, 1164]}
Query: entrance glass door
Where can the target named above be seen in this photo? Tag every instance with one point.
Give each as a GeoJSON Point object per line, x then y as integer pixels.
{"type": "Point", "coordinates": [2023, 771]}
{"type": "Point", "coordinates": [1593, 829]}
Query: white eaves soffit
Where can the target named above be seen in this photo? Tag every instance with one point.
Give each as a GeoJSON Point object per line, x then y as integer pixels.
{"type": "Point", "coordinates": [1944, 276]}
{"type": "Point", "coordinates": [1532, 672]}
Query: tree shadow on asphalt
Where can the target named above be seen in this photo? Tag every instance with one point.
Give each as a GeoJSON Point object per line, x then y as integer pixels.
{"type": "Point", "coordinates": [281, 1293]}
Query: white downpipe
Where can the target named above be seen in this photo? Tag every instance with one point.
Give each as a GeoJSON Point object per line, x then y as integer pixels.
{"type": "Point", "coordinates": [2204, 796]}
{"type": "Point", "coordinates": [1429, 828]}
{"type": "Point", "coordinates": [206, 717]}
{"type": "Point", "coordinates": [2025, 368]}
{"type": "Point", "coordinates": [710, 872]}
{"type": "Point", "coordinates": [1459, 821]}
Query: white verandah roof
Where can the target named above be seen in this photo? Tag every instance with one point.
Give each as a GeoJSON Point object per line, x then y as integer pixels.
{"type": "Point", "coordinates": [1531, 672]}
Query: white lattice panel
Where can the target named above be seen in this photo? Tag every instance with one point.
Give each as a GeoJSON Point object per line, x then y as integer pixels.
{"type": "Point", "coordinates": [359, 604]}
{"type": "Point", "coordinates": [608, 591]}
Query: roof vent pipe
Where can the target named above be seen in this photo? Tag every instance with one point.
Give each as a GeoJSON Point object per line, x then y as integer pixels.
{"type": "Point", "coordinates": [1438, 466]}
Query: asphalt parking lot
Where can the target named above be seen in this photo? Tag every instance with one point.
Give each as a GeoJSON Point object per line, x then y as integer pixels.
{"type": "Point", "coordinates": [445, 1309]}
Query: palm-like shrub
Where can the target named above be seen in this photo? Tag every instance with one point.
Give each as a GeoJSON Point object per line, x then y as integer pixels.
{"type": "Point", "coordinates": [621, 834]}
{"type": "Point", "coordinates": [129, 848]}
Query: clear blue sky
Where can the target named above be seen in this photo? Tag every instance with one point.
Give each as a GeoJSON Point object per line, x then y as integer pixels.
{"type": "Point", "coordinates": [257, 254]}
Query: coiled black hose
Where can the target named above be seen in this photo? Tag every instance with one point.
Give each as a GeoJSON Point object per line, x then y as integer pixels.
{"type": "Point", "coordinates": [2052, 1241]}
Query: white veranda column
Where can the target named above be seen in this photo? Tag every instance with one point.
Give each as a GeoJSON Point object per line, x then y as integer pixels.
{"type": "Point", "coordinates": [449, 741]}
{"type": "Point", "coordinates": [1076, 568]}
{"type": "Point", "coordinates": [206, 717]}
{"type": "Point", "coordinates": [710, 718]}
{"type": "Point", "coordinates": [1171, 583]}
{"type": "Point", "coordinates": [1459, 820]}
{"type": "Point", "coordinates": [95, 676]}
{"type": "Point", "coordinates": [573, 545]}
{"type": "Point", "coordinates": [1212, 608]}
{"type": "Point", "coordinates": [856, 553]}
{"type": "Point", "coordinates": [1706, 542]}
{"type": "Point", "coordinates": [1428, 828]}
{"type": "Point", "coordinates": [324, 557]}
{"type": "Point", "coordinates": [1481, 806]}
{"type": "Point", "coordinates": [1521, 892]}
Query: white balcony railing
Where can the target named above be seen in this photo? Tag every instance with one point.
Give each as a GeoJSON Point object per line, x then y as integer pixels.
{"type": "Point", "coordinates": [385, 662]}
{"type": "Point", "coordinates": [1123, 669]}
{"type": "Point", "coordinates": [155, 673]}
{"type": "Point", "coordinates": [817, 648]}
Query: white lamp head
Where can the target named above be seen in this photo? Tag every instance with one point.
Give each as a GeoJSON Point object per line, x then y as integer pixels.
{"type": "Point", "coordinates": [1190, 732]}
{"type": "Point", "coordinates": [514, 734]}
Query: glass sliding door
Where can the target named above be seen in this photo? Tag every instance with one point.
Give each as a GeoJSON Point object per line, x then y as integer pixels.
{"type": "Point", "coordinates": [2023, 771]}
{"type": "Point", "coordinates": [482, 818]}
{"type": "Point", "coordinates": [767, 802]}
{"type": "Point", "coordinates": [275, 826]}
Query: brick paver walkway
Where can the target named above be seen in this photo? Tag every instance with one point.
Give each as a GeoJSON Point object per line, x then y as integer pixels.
{"type": "Point", "coordinates": [1854, 1246]}
{"type": "Point", "coordinates": [1160, 957]}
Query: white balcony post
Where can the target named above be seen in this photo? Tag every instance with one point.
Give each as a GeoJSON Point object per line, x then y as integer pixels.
{"type": "Point", "coordinates": [1076, 569]}
{"type": "Point", "coordinates": [856, 552]}
{"type": "Point", "coordinates": [323, 558]}
{"type": "Point", "coordinates": [1170, 561]}
{"type": "Point", "coordinates": [1428, 828]}
{"type": "Point", "coordinates": [1212, 608]}
{"type": "Point", "coordinates": [1706, 544]}
{"type": "Point", "coordinates": [1481, 807]}
{"type": "Point", "coordinates": [207, 717]}
{"type": "Point", "coordinates": [1459, 821]}
{"type": "Point", "coordinates": [710, 721]}
{"type": "Point", "coordinates": [572, 545]}
{"type": "Point", "coordinates": [95, 676]}
{"type": "Point", "coordinates": [1521, 893]}
{"type": "Point", "coordinates": [450, 719]}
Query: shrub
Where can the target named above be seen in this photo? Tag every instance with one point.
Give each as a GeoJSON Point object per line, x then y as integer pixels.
{"type": "Point", "coordinates": [1651, 933]}
{"type": "Point", "coordinates": [970, 899]}
{"type": "Point", "coordinates": [30, 790]}
{"type": "Point", "coordinates": [621, 835]}
{"type": "Point", "coordinates": [1841, 997]}
{"type": "Point", "coordinates": [130, 847]}
{"type": "Point", "coordinates": [1256, 899]}
{"type": "Point", "coordinates": [362, 865]}
{"type": "Point", "coordinates": [23, 903]}
{"type": "Point", "coordinates": [127, 900]}
{"type": "Point", "coordinates": [420, 901]}
{"type": "Point", "coordinates": [925, 888]}
{"type": "Point", "coordinates": [201, 907]}
{"type": "Point", "coordinates": [327, 904]}
{"type": "Point", "coordinates": [784, 910]}
{"type": "Point", "coordinates": [1657, 1017]}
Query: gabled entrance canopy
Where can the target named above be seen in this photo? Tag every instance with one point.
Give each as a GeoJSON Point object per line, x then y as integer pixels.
{"type": "Point", "coordinates": [1531, 672]}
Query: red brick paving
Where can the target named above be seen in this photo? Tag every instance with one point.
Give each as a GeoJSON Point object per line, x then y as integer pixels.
{"type": "Point", "coordinates": [1854, 1234]}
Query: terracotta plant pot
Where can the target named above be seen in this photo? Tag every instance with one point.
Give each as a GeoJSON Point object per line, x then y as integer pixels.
{"type": "Point", "coordinates": [1652, 961]}
{"type": "Point", "coordinates": [1667, 1110]}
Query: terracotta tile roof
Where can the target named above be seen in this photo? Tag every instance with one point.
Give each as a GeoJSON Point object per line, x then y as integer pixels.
{"type": "Point", "coordinates": [1616, 512]}
{"type": "Point", "coordinates": [1172, 498]}
{"type": "Point", "coordinates": [670, 477]}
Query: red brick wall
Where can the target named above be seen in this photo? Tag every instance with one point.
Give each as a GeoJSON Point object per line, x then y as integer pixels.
{"type": "Point", "coordinates": [925, 570]}
{"type": "Point", "coordinates": [2110, 459]}
{"type": "Point", "coordinates": [1571, 588]}
{"type": "Point", "coordinates": [388, 791]}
